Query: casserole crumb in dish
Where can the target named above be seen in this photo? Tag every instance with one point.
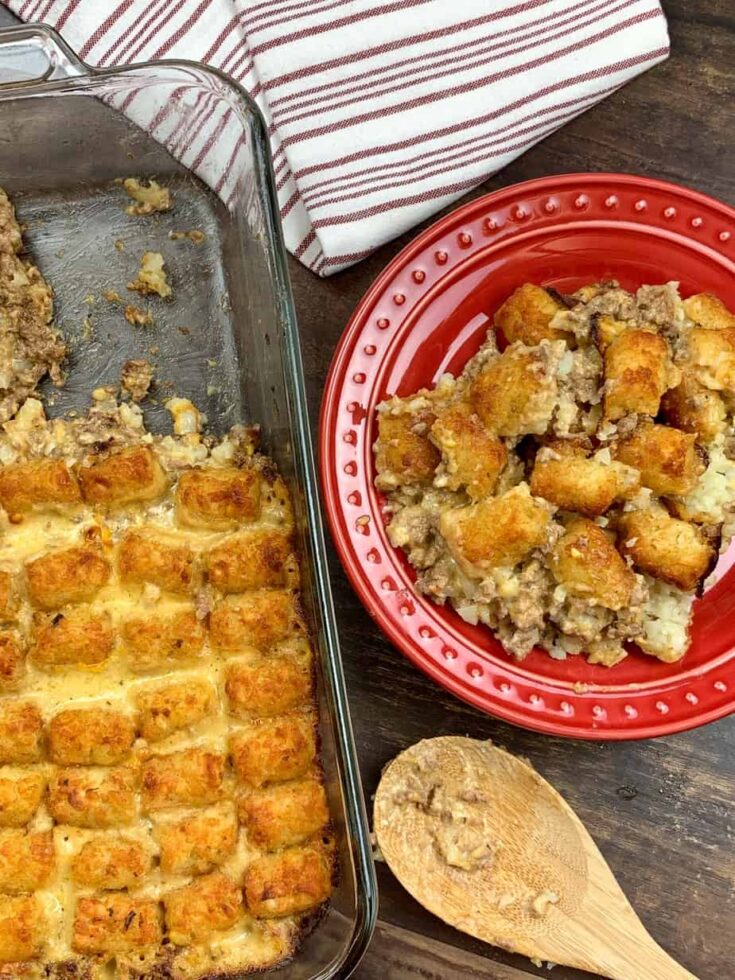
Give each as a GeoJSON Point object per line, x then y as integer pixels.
{"type": "Point", "coordinates": [572, 488]}
{"type": "Point", "coordinates": [162, 808]}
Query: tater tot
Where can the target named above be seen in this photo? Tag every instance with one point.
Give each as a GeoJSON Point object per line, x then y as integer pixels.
{"type": "Point", "coordinates": [209, 904]}
{"type": "Point", "coordinates": [692, 407]}
{"type": "Point", "coordinates": [40, 484]}
{"type": "Point", "coordinates": [667, 548]}
{"type": "Point", "coordinates": [169, 638]}
{"type": "Point", "coordinates": [268, 687]}
{"type": "Point", "coordinates": [168, 708]}
{"type": "Point", "coordinates": [146, 555]}
{"type": "Point", "coordinates": [709, 311]}
{"type": "Point", "coordinates": [90, 737]}
{"type": "Point", "coordinates": [585, 485]}
{"type": "Point", "coordinates": [8, 598]}
{"type": "Point", "coordinates": [638, 370]}
{"type": "Point", "coordinates": [94, 798]}
{"type": "Point", "coordinates": [403, 451]}
{"type": "Point", "coordinates": [253, 560]}
{"type": "Point", "coordinates": [27, 860]}
{"type": "Point", "coordinates": [500, 531]}
{"type": "Point", "coordinates": [198, 843]}
{"type": "Point", "coordinates": [274, 750]}
{"type": "Point", "coordinates": [130, 476]}
{"type": "Point", "coordinates": [12, 662]}
{"type": "Point", "coordinates": [115, 923]}
{"type": "Point", "coordinates": [586, 563]}
{"type": "Point", "coordinates": [21, 730]}
{"type": "Point", "coordinates": [192, 777]}
{"type": "Point", "coordinates": [286, 883]}
{"type": "Point", "coordinates": [21, 792]}
{"type": "Point", "coordinates": [71, 575]}
{"type": "Point", "coordinates": [527, 314]}
{"type": "Point", "coordinates": [712, 358]}
{"type": "Point", "coordinates": [23, 928]}
{"type": "Point", "coordinates": [515, 394]}
{"type": "Point", "coordinates": [606, 329]}
{"type": "Point", "coordinates": [110, 862]}
{"type": "Point", "coordinates": [284, 814]}
{"type": "Point", "coordinates": [257, 619]}
{"type": "Point", "coordinates": [80, 635]}
{"type": "Point", "coordinates": [219, 499]}
{"type": "Point", "coordinates": [471, 456]}
{"type": "Point", "coordinates": [667, 458]}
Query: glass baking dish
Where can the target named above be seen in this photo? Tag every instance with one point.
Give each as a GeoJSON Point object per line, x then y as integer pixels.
{"type": "Point", "coordinates": [229, 341]}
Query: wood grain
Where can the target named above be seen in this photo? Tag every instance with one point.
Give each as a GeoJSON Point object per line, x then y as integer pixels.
{"type": "Point", "coordinates": [661, 811]}
{"type": "Point", "coordinates": [397, 953]}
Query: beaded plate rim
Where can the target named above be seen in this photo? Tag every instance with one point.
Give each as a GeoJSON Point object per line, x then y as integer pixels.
{"type": "Point", "coordinates": [666, 704]}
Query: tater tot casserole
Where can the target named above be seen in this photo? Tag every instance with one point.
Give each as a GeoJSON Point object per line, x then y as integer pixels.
{"type": "Point", "coordinates": [573, 486]}
{"type": "Point", "coordinates": [162, 807]}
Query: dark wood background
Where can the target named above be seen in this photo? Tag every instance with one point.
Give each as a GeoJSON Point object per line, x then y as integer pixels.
{"type": "Point", "coordinates": [662, 810]}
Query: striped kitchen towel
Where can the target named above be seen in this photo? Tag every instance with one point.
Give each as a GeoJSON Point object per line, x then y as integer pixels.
{"type": "Point", "coordinates": [380, 112]}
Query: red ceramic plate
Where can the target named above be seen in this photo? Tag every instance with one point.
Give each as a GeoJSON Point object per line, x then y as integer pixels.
{"type": "Point", "coordinates": [426, 314]}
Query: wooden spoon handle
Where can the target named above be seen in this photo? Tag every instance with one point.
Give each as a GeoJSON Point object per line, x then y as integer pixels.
{"type": "Point", "coordinates": [643, 961]}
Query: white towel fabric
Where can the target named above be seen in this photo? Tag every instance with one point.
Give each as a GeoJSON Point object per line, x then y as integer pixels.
{"type": "Point", "coordinates": [380, 112]}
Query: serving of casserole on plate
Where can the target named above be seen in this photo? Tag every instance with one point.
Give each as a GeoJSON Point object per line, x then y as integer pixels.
{"type": "Point", "coordinates": [162, 810]}
{"type": "Point", "coordinates": [434, 420]}
{"type": "Point", "coordinates": [572, 491]}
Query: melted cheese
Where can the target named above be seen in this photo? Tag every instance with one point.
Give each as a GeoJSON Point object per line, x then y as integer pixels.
{"type": "Point", "coordinates": [247, 945]}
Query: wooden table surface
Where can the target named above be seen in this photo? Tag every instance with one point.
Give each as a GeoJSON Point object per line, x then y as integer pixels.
{"type": "Point", "coordinates": [661, 810]}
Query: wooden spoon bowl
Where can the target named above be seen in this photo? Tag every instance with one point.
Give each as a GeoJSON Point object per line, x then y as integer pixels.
{"type": "Point", "coordinates": [480, 839]}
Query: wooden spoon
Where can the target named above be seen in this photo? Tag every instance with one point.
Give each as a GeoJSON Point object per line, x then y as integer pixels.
{"type": "Point", "coordinates": [484, 842]}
